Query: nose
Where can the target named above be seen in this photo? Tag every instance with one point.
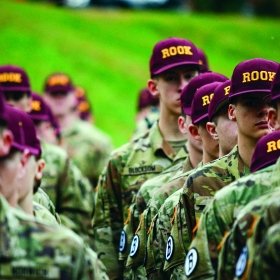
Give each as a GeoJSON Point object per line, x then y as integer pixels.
{"type": "Point", "coordinates": [263, 111]}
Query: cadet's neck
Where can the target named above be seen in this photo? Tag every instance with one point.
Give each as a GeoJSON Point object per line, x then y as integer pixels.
{"type": "Point", "coordinates": [26, 204]}
{"type": "Point", "coordinates": [168, 126]}
{"type": "Point", "coordinates": [246, 149]}
{"type": "Point", "coordinates": [65, 121]}
{"type": "Point", "coordinates": [195, 155]}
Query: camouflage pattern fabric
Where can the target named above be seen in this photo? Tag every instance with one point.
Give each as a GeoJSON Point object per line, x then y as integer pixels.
{"type": "Point", "coordinates": [143, 196]}
{"type": "Point", "coordinates": [43, 199]}
{"type": "Point", "coordinates": [242, 254]}
{"type": "Point", "coordinates": [88, 147]}
{"type": "Point", "coordinates": [159, 195]}
{"type": "Point", "coordinates": [32, 250]}
{"type": "Point", "coordinates": [128, 168]}
{"type": "Point", "coordinates": [70, 191]}
{"type": "Point", "coordinates": [219, 216]}
{"type": "Point", "coordinates": [43, 214]}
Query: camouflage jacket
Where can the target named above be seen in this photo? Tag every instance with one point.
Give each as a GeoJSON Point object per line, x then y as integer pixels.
{"type": "Point", "coordinates": [146, 191]}
{"type": "Point", "coordinates": [30, 249]}
{"type": "Point", "coordinates": [88, 147]}
{"type": "Point", "coordinates": [219, 216]}
{"type": "Point", "coordinates": [143, 196]}
{"type": "Point", "coordinates": [247, 253]}
{"type": "Point", "coordinates": [69, 190]}
{"type": "Point", "coordinates": [128, 168]}
{"type": "Point", "coordinates": [43, 214]}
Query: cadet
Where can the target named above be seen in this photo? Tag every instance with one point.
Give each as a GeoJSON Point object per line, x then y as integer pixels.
{"type": "Point", "coordinates": [173, 63]}
{"type": "Point", "coordinates": [76, 199]}
{"type": "Point", "coordinates": [161, 227]}
{"type": "Point", "coordinates": [30, 248]}
{"type": "Point", "coordinates": [249, 97]}
{"type": "Point", "coordinates": [62, 180]}
{"type": "Point", "coordinates": [85, 144]}
{"type": "Point", "coordinates": [249, 219]}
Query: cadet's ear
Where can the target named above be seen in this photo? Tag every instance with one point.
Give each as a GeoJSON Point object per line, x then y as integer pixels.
{"type": "Point", "coordinates": [183, 127]}
{"type": "Point", "coordinates": [40, 165]}
{"type": "Point", "coordinates": [152, 86]}
{"type": "Point", "coordinates": [193, 129]}
{"type": "Point", "coordinates": [6, 142]}
{"type": "Point", "coordinates": [272, 119]}
{"type": "Point", "coordinates": [231, 112]}
{"type": "Point", "coordinates": [211, 129]}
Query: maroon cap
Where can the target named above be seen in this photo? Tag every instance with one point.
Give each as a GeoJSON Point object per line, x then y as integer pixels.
{"type": "Point", "coordinates": [195, 83]}
{"type": "Point", "coordinates": [14, 79]}
{"type": "Point", "coordinates": [201, 101]}
{"type": "Point", "coordinates": [83, 106]}
{"type": "Point", "coordinates": [253, 76]}
{"type": "Point", "coordinates": [202, 60]}
{"type": "Point", "coordinates": [172, 52]}
{"type": "Point", "coordinates": [220, 99]}
{"type": "Point", "coordinates": [3, 115]}
{"type": "Point", "coordinates": [58, 83]}
{"type": "Point", "coordinates": [267, 151]}
{"type": "Point", "coordinates": [146, 99]}
{"type": "Point", "coordinates": [23, 129]}
{"type": "Point", "coordinates": [41, 111]}
{"type": "Point", "coordinates": [275, 89]}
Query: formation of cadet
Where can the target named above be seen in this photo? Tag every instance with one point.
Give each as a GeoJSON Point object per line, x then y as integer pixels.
{"type": "Point", "coordinates": [193, 195]}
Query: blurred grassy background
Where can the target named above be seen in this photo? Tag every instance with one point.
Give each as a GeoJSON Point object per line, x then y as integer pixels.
{"type": "Point", "coordinates": [107, 51]}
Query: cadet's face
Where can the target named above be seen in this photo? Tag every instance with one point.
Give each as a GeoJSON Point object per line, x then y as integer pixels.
{"type": "Point", "coordinates": [46, 132]}
{"type": "Point", "coordinates": [24, 103]}
{"type": "Point", "coordinates": [9, 180]}
{"type": "Point", "coordinates": [227, 133]}
{"type": "Point", "coordinates": [61, 104]}
{"type": "Point", "coordinates": [170, 85]}
{"type": "Point", "coordinates": [28, 177]}
{"type": "Point", "coordinates": [251, 115]}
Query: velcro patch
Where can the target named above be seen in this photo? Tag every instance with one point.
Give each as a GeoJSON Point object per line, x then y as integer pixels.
{"type": "Point", "coordinates": [191, 261]}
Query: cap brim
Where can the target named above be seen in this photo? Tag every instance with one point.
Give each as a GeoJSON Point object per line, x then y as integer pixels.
{"type": "Point", "coordinates": [173, 65]}
{"type": "Point", "coordinates": [255, 91]}
{"type": "Point", "coordinates": [200, 119]}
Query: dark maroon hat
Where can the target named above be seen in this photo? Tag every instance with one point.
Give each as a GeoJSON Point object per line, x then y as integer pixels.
{"type": "Point", "coordinates": [41, 111]}
{"type": "Point", "coordinates": [146, 99]}
{"type": "Point", "coordinates": [202, 60]}
{"type": "Point", "coordinates": [267, 151]}
{"type": "Point", "coordinates": [220, 99]}
{"type": "Point", "coordinates": [275, 89]}
{"type": "Point", "coordinates": [201, 101]}
{"type": "Point", "coordinates": [173, 52]}
{"type": "Point", "coordinates": [14, 79]}
{"type": "Point", "coordinates": [58, 83]}
{"type": "Point", "coordinates": [253, 76]}
{"type": "Point", "coordinates": [194, 84]}
{"type": "Point", "coordinates": [23, 129]}
{"type": "Point", "coordinates": [83, 105]}
{"type": "Point", "coordinates": [3, 114]}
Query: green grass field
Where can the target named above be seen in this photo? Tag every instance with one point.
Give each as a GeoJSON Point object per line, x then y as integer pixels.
{"type": "Point", "coordinates": [107, 51]}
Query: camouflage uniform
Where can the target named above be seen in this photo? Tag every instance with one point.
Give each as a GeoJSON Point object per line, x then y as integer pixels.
{"type": "Point", "coordinates": [44, 214]}
{"type": "Point", "coordinates": [220, 214]}
{"type": "Point", "coordinates": [68, 189]}
{"type": "Point", "coordinates": [142, 198]}
{"type": "Point", "coordinates": [89, 148]}
{"type": "Point", "coordinates": [31, 250]}
{"type": "Point", "coordinates": [245, 253]}
{"type": "Point", "coordinates": [128, 168]}
{"type": "Point", "coordinates": [197, 192]}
